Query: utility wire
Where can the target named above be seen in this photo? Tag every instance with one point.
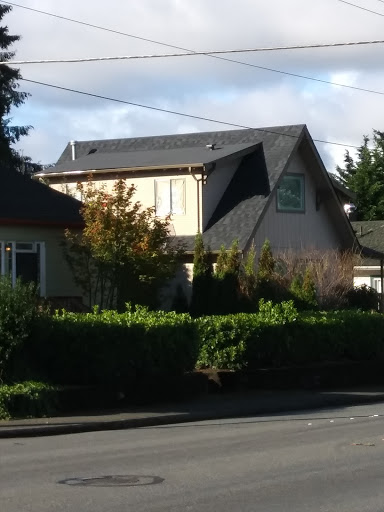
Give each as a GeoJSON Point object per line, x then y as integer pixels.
{"type": "Point", "coordinates": [362, 8]}
{"type": "Point", "coordinates": [182, 114]}
{"type": "Point", "coordinates": [295, 75]}
{"type": "Point", "coordinates": [207, 52]}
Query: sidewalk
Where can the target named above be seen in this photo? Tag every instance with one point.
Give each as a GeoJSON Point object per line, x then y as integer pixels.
{"type": "Point", "coordinates": [206, 408]}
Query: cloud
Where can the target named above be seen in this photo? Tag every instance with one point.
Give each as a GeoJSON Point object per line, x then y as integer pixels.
{"type": "Point", "coordinates": [197, 85]}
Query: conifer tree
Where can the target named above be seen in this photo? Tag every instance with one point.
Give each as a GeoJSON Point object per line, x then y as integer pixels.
{"type": "Point", "coordinates": [10, 97]}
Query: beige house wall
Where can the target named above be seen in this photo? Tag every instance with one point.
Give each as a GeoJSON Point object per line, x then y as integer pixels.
{"type": "Point", "coordinates": [312, 229]}
{"type": "Point", "coordinates": [59, 279]}
{"type": "Point", "coordinates": [183, 225]}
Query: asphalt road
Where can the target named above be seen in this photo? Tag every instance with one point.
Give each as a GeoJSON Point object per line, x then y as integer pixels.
{"type": "Point", "coordinates": [322, 461]}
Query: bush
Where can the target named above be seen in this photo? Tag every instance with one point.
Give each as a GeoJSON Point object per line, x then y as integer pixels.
{"type": "Point", "coordinates": [363, 297]}
{"type": "Point", "coordinates": [18, 312]}
{"type": "Point", "coordinates": [27, 399]}
{"type": "Point", "coordinates": [278, 336]}
{"type": "Point", "coordinates": [113, 349]}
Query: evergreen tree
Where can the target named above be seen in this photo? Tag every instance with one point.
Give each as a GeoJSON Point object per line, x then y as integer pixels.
{"type": "Point", "coordinates": [9, 97]}
{"type": "Point", "coordinates": [266, 262]}
{"type": "Point", "coordinates": [365, 177]}
{"type": "Point", "coordinates": [309, 289]}
{"type": "Point", "coordinates": [201, 303]}
{"type": "Point", "coordinates": [227, 274]}
{"type": "Point", "coordinates": [221, 262]}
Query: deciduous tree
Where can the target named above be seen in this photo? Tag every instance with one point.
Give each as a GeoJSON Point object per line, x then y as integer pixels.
{"type": "Point", "coordinates": [125, 253]}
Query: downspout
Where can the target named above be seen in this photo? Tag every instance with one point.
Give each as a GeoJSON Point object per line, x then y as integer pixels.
{"type": "Point", "coordinates": [198, 181]}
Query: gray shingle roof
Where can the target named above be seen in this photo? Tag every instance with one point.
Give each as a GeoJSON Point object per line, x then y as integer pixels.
{"type": "Point", "coordinates": [24, 200]}
{"type": "Point", "coordinates": [150, 158]}
{"type": "Point", "coordinates": [241, 207]}
{"type": "Point", "coordinates": [370, 234]}
{"type": "Point", "coordinates": [277, 137]}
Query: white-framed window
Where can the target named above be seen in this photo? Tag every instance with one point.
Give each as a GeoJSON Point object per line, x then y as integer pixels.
{"type": "Point", "coordinates": [170, 196]}
{"type": "Point", "coordinates": [376, 283]}
{"type": "Point", "coordinates": [24, 260]}
{"type": "Point", "coordinates": [291, 193]}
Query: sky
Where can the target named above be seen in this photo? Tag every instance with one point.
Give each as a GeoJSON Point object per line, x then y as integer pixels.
{"type": "Point", "coordinates": [198, 85]}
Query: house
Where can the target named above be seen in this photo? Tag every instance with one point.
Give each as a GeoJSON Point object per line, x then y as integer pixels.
{"type": "Point", "coordinates": [33, 218]}
{"type": "Point", "coordinates": [248, 184]}
{"type": "Point", "coordinates": [371, 238]}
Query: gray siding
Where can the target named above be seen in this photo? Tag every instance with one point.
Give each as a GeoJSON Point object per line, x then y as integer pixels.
{"type": "Point", "coordinates": [313, 229]}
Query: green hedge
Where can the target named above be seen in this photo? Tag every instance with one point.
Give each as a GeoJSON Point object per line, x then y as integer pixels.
{"type": "Point", "coordinates": [18, 313]}
{"type": "Point", "coordinates": [120, 350]}
{"type": "Point", "coordinates": [257, 340]}
{"type": "Point", "coordinates": [111, 348]}
{"type": "Point", "coordinates": [27, 399]}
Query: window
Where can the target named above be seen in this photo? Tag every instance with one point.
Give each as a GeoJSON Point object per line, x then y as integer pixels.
{"type": "Point", "coordinates": [170, 197]}
{"type": "Point", "coordinates": [24, 260]}
{"type": "Point", "coordinates": [290, 194]}
{"type": "Point", "coordinates": [376, 283]}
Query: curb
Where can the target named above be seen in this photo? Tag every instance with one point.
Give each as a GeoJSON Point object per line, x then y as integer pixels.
{"type": "Point", "coordinates": [318, 402]}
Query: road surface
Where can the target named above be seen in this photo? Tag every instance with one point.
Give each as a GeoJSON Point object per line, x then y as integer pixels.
{"type": "Point", "coordinates": [330, 460]}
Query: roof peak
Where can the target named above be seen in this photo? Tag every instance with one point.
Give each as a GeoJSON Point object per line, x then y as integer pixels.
{"type": "Point", "coordinates": [265, 129]}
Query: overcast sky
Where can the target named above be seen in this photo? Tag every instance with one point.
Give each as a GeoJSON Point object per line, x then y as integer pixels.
{"type": "Point", "coordinates": [198, 85]}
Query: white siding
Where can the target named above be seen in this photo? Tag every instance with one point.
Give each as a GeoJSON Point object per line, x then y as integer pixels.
{"type": "Point", "coordinates": [312, 229]}
{"type": "Point", "coordinates": [360, 280]}
{"type": "Point", "coordinates": [213, 190]}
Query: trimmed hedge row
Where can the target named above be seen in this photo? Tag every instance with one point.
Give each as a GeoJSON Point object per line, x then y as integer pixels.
{"type": "Point", "coordinates": [27, 399]}
{"type": "Point", "coordinates": [253, 341]}
{"type": "Point", "coordinates": [122, 350]}
{"type": "Point", "coordinates": [112, 348]}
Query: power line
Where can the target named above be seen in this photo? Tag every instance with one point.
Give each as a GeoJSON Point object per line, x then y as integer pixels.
{"type": "Point", "coordinates": [226, 59]}
{"type": "Point", "coordinates": [362, 8]}
{"type": "Point", "coordinates": [182, 114]}
{"type": "Point", "coordinates": [206, 52]}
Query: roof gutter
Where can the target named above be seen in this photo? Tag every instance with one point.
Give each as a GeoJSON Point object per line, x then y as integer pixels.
{"type": "Point", "coordinates": [46, 223]}
{"type": "Point", "coordinates": [118, 169]}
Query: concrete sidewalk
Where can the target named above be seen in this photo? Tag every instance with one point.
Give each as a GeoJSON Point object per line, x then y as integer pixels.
{"type": "Point", "coordinates": [205, 408]}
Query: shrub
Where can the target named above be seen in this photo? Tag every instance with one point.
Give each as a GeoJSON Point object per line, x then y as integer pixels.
{"type": "Point", "coordinates": [18, 311]}
{"type": "Point", "coordinates": [303, 291]}
{"type": "Point", "coordinates": [266, 262]}
{"type": "Point", "coordinates": [27, 399]}
{"type": "Point", "coordinates": [279, 336]}
{"type": "Point", "coordinates": [226, 282]}
{"type": "Point", "coordinates": [113, 349]}
{"type": "Point", "coordinates": [363, 297]}
{"type": "Point", "coordinates": [201, 301]}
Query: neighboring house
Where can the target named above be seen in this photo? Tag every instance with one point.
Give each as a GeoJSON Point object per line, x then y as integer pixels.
{"type": "Point", "coordinates": [33, 218]}
{"type": "Point", "coordinates": [371, 237]}
{"type": "Point", "coordinates": [240, 184]}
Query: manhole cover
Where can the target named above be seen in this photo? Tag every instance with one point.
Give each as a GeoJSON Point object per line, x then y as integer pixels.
{"type": "Point", "coordinates": [113, 481]}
